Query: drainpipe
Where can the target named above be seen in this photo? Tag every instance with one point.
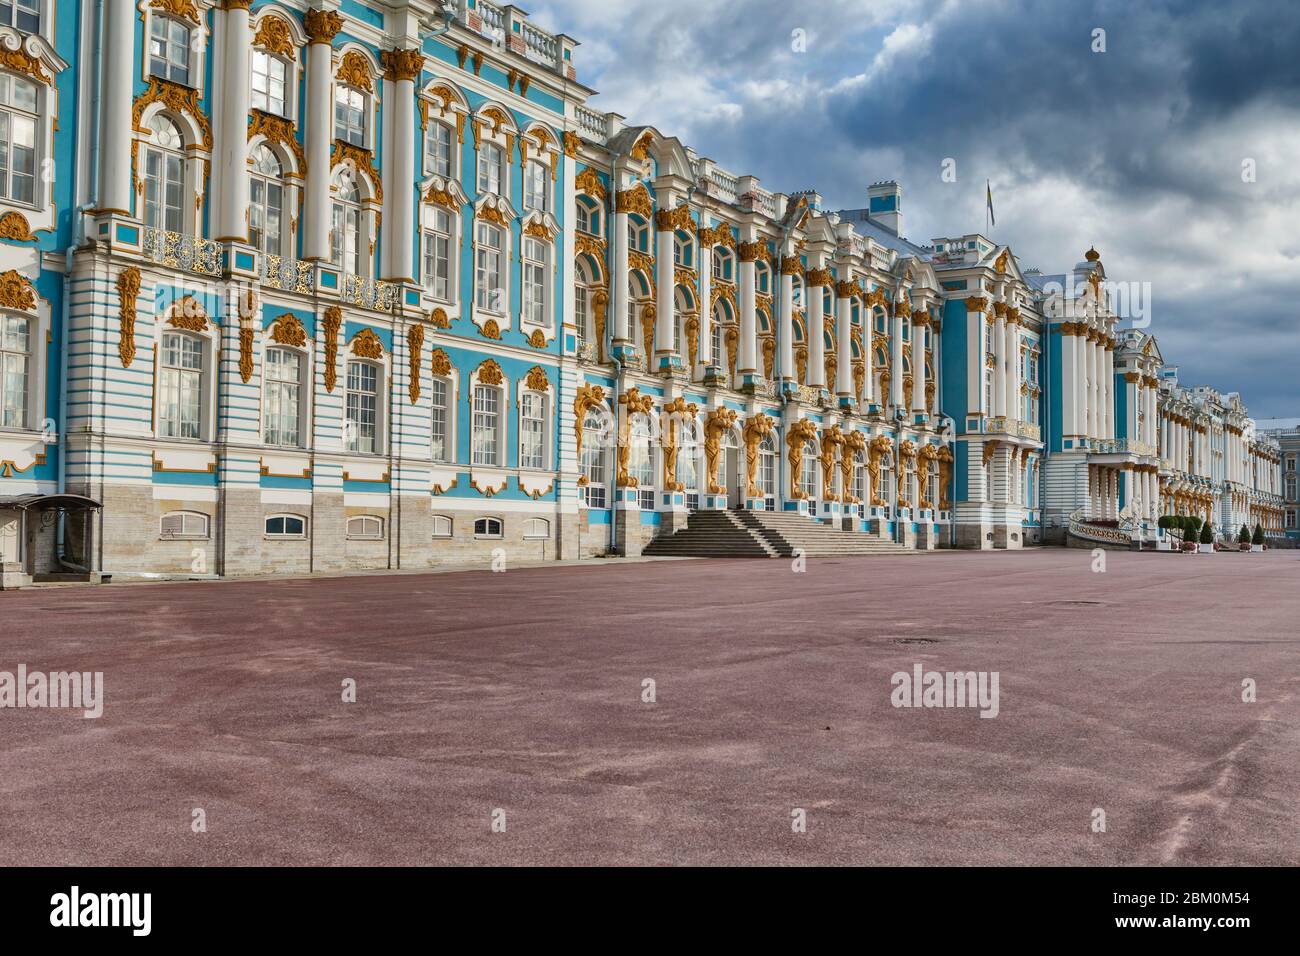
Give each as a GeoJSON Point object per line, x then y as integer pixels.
{"type": "Point", "coordinates": [618, 359]}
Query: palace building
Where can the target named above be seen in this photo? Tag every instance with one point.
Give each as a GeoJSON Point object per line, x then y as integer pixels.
{"type": "Point", "coordinates": [316, 286]}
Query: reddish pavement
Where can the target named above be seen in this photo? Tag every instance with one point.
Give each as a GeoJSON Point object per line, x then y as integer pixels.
{"type": "Point", "coordinates": [522, 691]}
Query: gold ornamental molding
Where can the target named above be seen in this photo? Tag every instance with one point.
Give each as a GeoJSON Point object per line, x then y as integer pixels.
{"type": "Point", "coordinates": [668, 220]}
{"type": "Point", "coordinates": [536, 379]}
{"type": "Point", "coordinates": [976, 303]}
{"type": "Point", "coordinates": [367, 345]}
{"type": "Point", "coordinates": [1000, 266]}
{"type": "Point", "coordinates": [818, 277]}
{"type": "Point", "coordinates": [634, 200]}
{"type": "Point", "coordinates": [877, 449]}
{"type": "Point", "coordinates": [641, 149]}
{"type": "Point", "coordinates": [572, 143]}
{"type": "Point", "coordinates": [322, 26]}
{"type": "Point", "coordinates": [354, 70]}
{"type": "Point", "coordinates": [445, 97]}
{"type": "Point", "coordinates": [414, 342]}
{"type": "Point", "coordinates": [584, 244]}
{"type": "Point", "coordinates": [490, 329]}
{"type": "Point", "coordinates": [492, 214]}
{"type": "Point", "coordinates": [442, 197]}
{"type": "Point", "coordinates": [847, 289]}
{"type": "Point", "coordinates": [181, 9]}
{"type": "Point", "coordinates": [537, 339]}
{"type": "Point", "coordinates": [719, 235]}
{"type": "Point", "coordinates": [20, 61]}
{"type": "Point", "coordinates": [363, 159]}
{"type": "Point", "coordinates": [489, 372]}
{"type": "Point", "coordinates": [288, 330]}
{"type": "Point", "coordinates": [855, 443]}
{"type": "Point", "coordinates": [332, 322]}
{"type": "Point", "coordinates": [589, 397]}
{"type": "Point", "coordinates": [539, 230]}
{"type": "Point", "coordinates": [178, 99]}
{"type": "Point", "coordinates": [753, 251]}
{"type": "Point", "coordinates": [128, 288]}
{"type": "Point", "coordinates": [245, 353]}
{"type": "Point", "coordinates": [832, 441]}
{"type": "Point", "coordinates": [797, 435]}
{"type": "Point", "coordinates": [717, 423]}
{"type": "Point", "coordinates": [274, 36]}
{"type": "Point", "coordinates": [17, 292]}
{"type": "Point", "coordinates": [438, 318]}
{"type": "Point", "coordinates": [757, 428]}
{"type": "Point", "coordinates": [188, 313]}
{"type": "Point", "coordinates": [401, 65]}
{"type": "Point", "coordinates": [671, 417]}
{"type": "Point", "coordinates": [277, 129]}
{"type": "Point", "coordinates": [633, 403]}
{"type": "Point", "coordinates": [439, 363]}
{"type": "Point", "coordinates": [588, 181]}
{"type": "Point", "coordinates": [791, 266]}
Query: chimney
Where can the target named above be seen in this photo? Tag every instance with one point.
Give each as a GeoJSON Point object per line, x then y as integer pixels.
{"type": "Point", "coordinates": [884, 205]}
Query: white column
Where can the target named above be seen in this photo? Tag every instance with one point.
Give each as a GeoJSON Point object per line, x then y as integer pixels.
{"type": "Point", "coordinates": [321, 26]}
{"type": "Point", "coordinates": [844, 345]}
{"type": "Point", "coordinates": [232, 125]}
{"type": "Point", "coordinates": [918, 366]}
{"type": "Point", "coordinates": [1000, 360]}
{"type": "Point", "coordinates": [401, 68]}
{"type": "Point", "coordinates": [1013, 369]}
{"type": "Point", "coordinates": [895, 357]}
{"type": "Point", "coordinates": [115, 127]}
{"type": "Point", "coordinates": [1109, 380]}
{"type": "Point", "coordinates": [665, 356]}
{"type": "Point", "coordinates": [785, 364]}
{"type": "Point", "coordinates": [568, 250]}
{"type": "Point", "coordinates": [706, 355]}
{"type": "Point", "coordinates": [619, 271]}
{"type": "Point", "coordinates": [813, 282]}
{"type": "Point", "coordinates": [748, 358]}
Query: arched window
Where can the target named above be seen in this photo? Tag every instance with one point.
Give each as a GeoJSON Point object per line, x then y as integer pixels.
{"type": "Point", "coordinates": [170, 49]}
{"type": "Point", "coordinates": [184, 526]}
{"type": "Point", "coordinates": [164, 176]}
{"type": "Point", "coordinates": [642, 461]}
{"type": "Point", "coordinates": [767, 470]}
{"type": "Point", "coordinates": [723, 264]}
{"type": "Point", "coordinates": [282, 383]}
{"type": "Point", "coordinates": [180, 386]}
{"type": "Point", "coordinates": [593, 460]}
{"type": "Point", "coordinates": [439, 151]}
{"type": "Point", "coordinates": [286, 526]}
{"type": "Point", "coordinates": [351, 107]}
{"type": "Point", "coordinates": [932, 482]}
{"type": "Point", "coordinates": [728, 443]}
{"type": "Point", "coordinates": [763, 277]}
{"type": "Point", "coordinates": [485, 431]}
{"type": "Point", "coordinates": [588, 213]}
{"type": "Point", "coordinates": [683, 249]}
{"type": "Point", "coordinates": [536, 254]}
{"type": "Point", "coordinates": [269, 83]}
{"type": "Point", "coordinates": [487, 527]}
{"type": "Point", "coordinates": [366, 528]}
{"type": "Point", "coordinates": [638, 234]}
{"type": "Point", "coordinates": [15, 370]}
{"type": "Point", "coordinates": [537, 528]}
{"type": "Point", "coordinates": [441, 526]}
{"type": "Point", "coordinates": [362, 403]}
{"type": "Point", "coordinates": [345, 225]}
{"type": "Point", "coordinates": [808, 470]}
{"type": "Point", "coordinates": [585, 287]}
{"type": "Point", "coordinates": [265, 201]}
{"type": "Point", "coordinates": [860, 476]}
{"type": "Point", "coordinates": [688, 461]}
{"type": "Point", "coordinates": [19, 123]}
{"type": "Point", "coordinates": [886, 478]}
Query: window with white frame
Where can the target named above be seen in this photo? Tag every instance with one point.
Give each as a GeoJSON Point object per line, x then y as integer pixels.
{"type": "Point", "coordinates": [860, 475]}
{"type": "Point", "coordinates": [537, 528]}
{"type": "Point", "coordinates": [715, 342]}
{"type": "Point", "coordinates": [534, 281]}
{"type": "Point", "coordinates": [22, 15]}
{"type": "Point", "coordinates": [582, 313]}
{"type": "Point", "coordinates": [932, 482]}
{"type": "Point", "coordinates": [362, 403]}
{"type": "Point", "coordinates": [171, 49]}
{"type": "Point", "coordinates": [345, 225]}
{"type": "Point", "coordinates": [438, 150]}
{"type": "Point", "coordinates": [767, 467]}
{"type": "Point", "coordinates": [487, 527]}
{"type": "Point", "coordinates": [588, 215]}
{"type": "Point", "coordinates": [282, 383]}
{"type": "Point", "coordinates": [536, 179]}
{"type": "Point", "coordinates": [286, 526]}
{"type": "Point", "coordinates": [350, 109]}
{"type": "Point", "coordinates": [688, 463]}
{"type": "Point", "coordinates": [265, 201]}
{"type": "Point", "coordinates": [442, 526]}
{"type": "Point", "coordinates": [491, 168]}
{"type": "Point", "coordinates": [164, 176]}
{"type": "Point", "coordinates": [15, 370]}
{"type": "Point", "coordinates": [532, 430]}
{"type": "Point", "coordinates": [184, 526]}
{"type": "Point", "coordinates": [440, 419]}
{"type": "Point", "coordinates": [642, 462]}
{"type": "Point", "coordinates": [19, 125]}
{"type": "Point", "coordinates": [180, 386]}
{"type": "Point", "coordinates": [593, 461]}
{"type": "Point", "coordinates": [436, 252]}
{"type": "Point", "coordinates": [638, 234]}
{"type": "Point", "coordinates": [485, 432]}
{"type": "Point", "coordinates": [1290, 487]}
{"type": "Point", "coordinates": [725, 476]}
{"type": "Point", "coordinates": [683, 251]}
{"type": "Point", "coordinates": [1290, 518]}
{"type": "Point", "coordinates": [722, 263]}
{"type": "Point", "coordinates": [488, 263]}
{"type": "Point", "coordinates": [885, 491]}
{"type": "Point", "coordinates": [269, 82]}
{"type": "Point", "coordinates": [366, 528]}
{"type": "Point", "coordinates": [808, 470]}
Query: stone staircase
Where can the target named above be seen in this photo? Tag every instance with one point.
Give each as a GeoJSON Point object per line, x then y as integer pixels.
{"type": "Point", "coordinates": [765, 534]}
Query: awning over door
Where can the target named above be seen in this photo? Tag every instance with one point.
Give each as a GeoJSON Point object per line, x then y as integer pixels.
{"type": "Point", "coordinates": [49, 503]}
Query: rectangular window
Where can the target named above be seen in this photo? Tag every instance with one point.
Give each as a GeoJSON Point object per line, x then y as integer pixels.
{"type": "Point", "coordinates": [169, 50]}
{"type": "Point", "coordinates": [283, 389]}
{"type": "Point", "coordinates": [486, 432]}
{"type": "Point", "coordinates": [24, 15]}
{"type": "Point", "coordinates": [268, 83]}
{"type": "Point", "coordinates": [350, 115]}
{"type": "Point", "coordinates": [265, 200]}
{"type": "Point", "coordinates": [345, 238]}
{"type": "Point", "coordinates": [535, 186]}
{"type": "Point", "coordinates": [15, 348]}
{"type": "Point", "coordinates": [580, 314]}
{"type": "Point", "coordinates": [489, 168]}
{"type": "Point", "coordinates": [436, 256]}
{"type": "Point", "coordinates": [440, 415]}
{"type": "Point", "coordinates": [163, 184]}
{"type": "Point", "coordinates": [593, 465]}
{"type": "Point", "coordinates": [487, 268]}
{"type": "Point", "coordinates": [363, 407]}
{"type": "Point", "coordinates": [180, 386]}
{"type": "Point", "coordinates": [534, 309]}
{"type": "Point", "coordinates": [532, 431]}
{"type": "Point", "coordinates": [18, 124]}
{"type": "Point", "coordinates": [437, 150]}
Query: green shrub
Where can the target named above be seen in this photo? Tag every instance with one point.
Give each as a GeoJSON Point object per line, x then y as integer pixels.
{"type": "Point", "coordinates": [1243, 536]}
{"type": "Point", "coordinates": [1165, 521]}
{"type": "Point", "coordinates": [1258, 536]}
{"type": "Point", "coordinates": [1207, 533]}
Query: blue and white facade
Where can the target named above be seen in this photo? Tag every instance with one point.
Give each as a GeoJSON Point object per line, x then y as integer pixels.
{"type": "Point", "coordinates": [317, 286]}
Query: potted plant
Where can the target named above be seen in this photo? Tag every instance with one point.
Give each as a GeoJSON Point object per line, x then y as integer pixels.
{"type": "Point", "coordinates": [1207, 539]}
{"type": "Point", "coordinates": [1243, 539]}
{"type": "Point", "coordinates": [1257, 539]}
{"type": "Point", "coordinates": [1162, 536]}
